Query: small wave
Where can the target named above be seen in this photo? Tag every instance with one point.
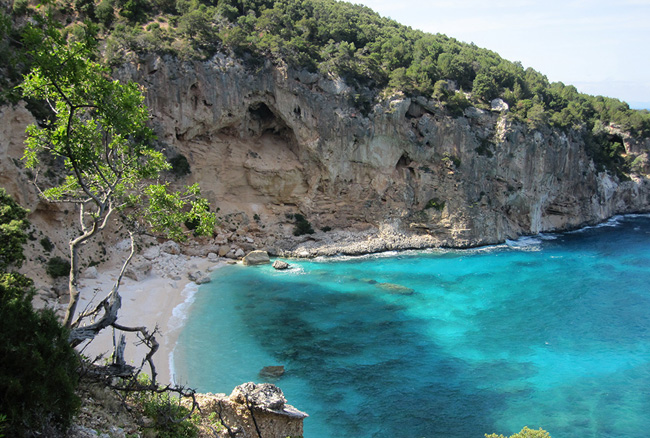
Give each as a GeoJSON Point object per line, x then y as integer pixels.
{"type": "Point", "coordinates": [344, 258]}
{"type": "Point", "coordinates": [614, 221]}
{"type": "Point", "coordinates": [180, 312]}
{"type": "Point", "coordinates": [178, 318]}
{"type": "Point", "coordinates": [525, 243]}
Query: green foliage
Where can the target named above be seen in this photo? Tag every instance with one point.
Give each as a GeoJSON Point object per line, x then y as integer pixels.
{"type": "Point", "coordinates": [484, 87]}
{"type": "Point", "coordinates": [13, 225]}
{"type": "Point", "coordinates": [374, 55]}
{"type": "Point", "coordinates": [302, 225]}
{"type": "Point", "coordinates": [100, 131]}
{"type": "Point", "coordinates": [180, 165]}
{"type": "Point", "coordinates": [436, 204]}
{"type": "Point", "coordinates": [105, 12]}
{"type": "Point", "coordinates": [171, 419]}
{"type": "Point", "coordinates": [20, 7]}
{"type": "Point", "coordinates": [47, 244]}
{"type": "Point", "coordinates": [57, 267]}
{"type": "Point", "coordinates": [524, 433]}
{"type": "Point", "coordinates": [37, 366]}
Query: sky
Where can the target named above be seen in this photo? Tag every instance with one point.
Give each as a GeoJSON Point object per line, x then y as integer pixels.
{"type": "Point", "coordinates": [600, 47]}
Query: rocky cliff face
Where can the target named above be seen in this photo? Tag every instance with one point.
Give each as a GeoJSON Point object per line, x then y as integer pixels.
{"type": "Point", "coordinates": [266, 142]}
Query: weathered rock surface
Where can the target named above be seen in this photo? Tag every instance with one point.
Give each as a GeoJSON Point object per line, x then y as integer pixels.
{"type": "Point", "coordinates": [273, 142]}
{"type": "Point", "coordinates": [256, 258]}
{"type": "Point", "coordinates": [265, 402]}
{"type": "Point", "coordinates": [268, 143]}
{"type": "Point", "coordinates": [198, 277]}
{"type": "Point", "coordinates": [138, 270]}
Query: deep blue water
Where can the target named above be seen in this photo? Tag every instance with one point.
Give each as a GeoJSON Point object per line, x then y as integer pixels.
{"type": "Point", "coordinates": [550, 332]}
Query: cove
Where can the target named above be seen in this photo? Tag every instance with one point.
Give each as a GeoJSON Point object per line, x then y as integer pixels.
{"type": "Point", "coordinates": [551, 331]}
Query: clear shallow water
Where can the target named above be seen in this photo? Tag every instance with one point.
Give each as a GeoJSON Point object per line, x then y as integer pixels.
{"type": "Point", "coordinates": [549, 332]}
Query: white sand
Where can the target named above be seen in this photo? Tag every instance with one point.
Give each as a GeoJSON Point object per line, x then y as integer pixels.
{"type": "Point", "coordinates": [155, 301]}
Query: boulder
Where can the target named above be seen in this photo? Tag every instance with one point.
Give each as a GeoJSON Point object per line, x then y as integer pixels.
{"type": "Point", "coordinates": [139, 270]}
{"type": "Point", "coordinates": [257, 258]}
{"type": "Point", "coordinates": [280, 265]}
{"type": "Point", "coordinates": [212, 256]}
{"type": "Point", "coordinates": [198, 277]}
{"type": "Point", "coordinates": [90, 273]}
{"type": "Point", "coordinates": [396, 289]}
{"type": "Point", "coordinates": [239, 253]}
{"type": "Point", "coordinates": [171, 247]}
{"type": "Point", "coordinates": [499, 105]}
{"type": "Point", "coordinates": [263, 396]}
{"type": "Point", "coordinates": [123, 245]}
{"type": "Point", "coordinates": [152, 253]}
{"type": "Point", "coordinates": [223, 250]}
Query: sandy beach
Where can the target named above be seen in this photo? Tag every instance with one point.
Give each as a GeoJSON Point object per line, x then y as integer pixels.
{"type": "Point", "coordinates": [161, 300]}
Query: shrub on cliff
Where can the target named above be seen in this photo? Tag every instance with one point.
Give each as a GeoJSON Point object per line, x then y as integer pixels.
{"type": "Point", "coordinates": [302, 225]}
{"type": "Point", "coordinates": [38, 368]}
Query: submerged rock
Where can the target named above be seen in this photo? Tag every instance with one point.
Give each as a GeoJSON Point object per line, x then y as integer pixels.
{"type": "Point", "coordinates": [273, 371]}
{"type": "Point", "coordinates": [256, 258]}
{"type": "Point", "coordinates": [396, 288]}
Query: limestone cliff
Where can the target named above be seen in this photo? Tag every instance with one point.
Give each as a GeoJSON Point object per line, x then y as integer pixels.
{"type": "Point", "coordinates": [266, 142]}
{"type": "Point", "coordinates": [269, 141]}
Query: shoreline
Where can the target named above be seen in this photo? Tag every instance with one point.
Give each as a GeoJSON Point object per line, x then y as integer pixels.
{"type": "Point", "coordinates": [387, 238]}
{"type": "Point", "coordinates": [163, 298]}
{"type": "Point", "coordinates": [159, 301]}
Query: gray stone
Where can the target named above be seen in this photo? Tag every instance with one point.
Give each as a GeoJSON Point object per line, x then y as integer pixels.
{"type": "Point", "coordinates": [264, 395]}
{"type": "Point", "coordinates": [139, 270]}
{"type": "Point", "coordinates": [239, 253]}
{"type": "Point", "coordinates": [212, 256]}
{"type": "Point", "coordinates": [152, 253]}
{"type": "Point", "coordinates": [257, 258]}
{"type": "Point", "coordinates": [223, 250]}
{"type": "Point", "coordinates": [90, 273]}
{"type": "Point", "coordinates": [170, 247]}
{"type": "Point", "coordinates": [123, 245]}
{"type": "Point", "coordinates": [198, 277]}
{"type": "Point", "coordinates": [499, 105]}
{"type": "Point", "coordinates": [280, 265]}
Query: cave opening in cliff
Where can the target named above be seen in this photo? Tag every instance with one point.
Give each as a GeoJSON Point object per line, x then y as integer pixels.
{"type": "Point", "coordinates": [404, 164]}
{"type": "Point", "coordinates": [262, 120]}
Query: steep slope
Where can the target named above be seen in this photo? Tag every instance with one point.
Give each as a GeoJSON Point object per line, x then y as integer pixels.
{"type": "Point", "coordinates": [324, 109]}
{"type": "Point", "coordinates": [273, 141]}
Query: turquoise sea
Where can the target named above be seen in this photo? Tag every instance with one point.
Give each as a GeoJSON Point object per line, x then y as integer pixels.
{"type": "Point", "coordinates": [550, 331]}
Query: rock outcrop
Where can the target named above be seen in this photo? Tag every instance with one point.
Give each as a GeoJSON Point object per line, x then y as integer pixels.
{"type": "Point", "coordinates": [270, 142]}
{"type": "Point", "coordinates": [254, 410]}
{"type": "Point", "coordinates": [256, 258]}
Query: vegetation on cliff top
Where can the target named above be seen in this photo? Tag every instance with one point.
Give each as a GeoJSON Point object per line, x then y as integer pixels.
{"type": "Point", "coordinates": [376, 55]}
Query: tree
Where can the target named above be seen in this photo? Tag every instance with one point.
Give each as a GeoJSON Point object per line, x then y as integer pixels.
{"type": "Point", "coordinates": [12, 232]}
{"type": "Point", "coordinates": [484, 87]}
{"type": "Point", "coordinates": [37, 365]}
{"type": "Point", "coordinates": [98, 130]}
